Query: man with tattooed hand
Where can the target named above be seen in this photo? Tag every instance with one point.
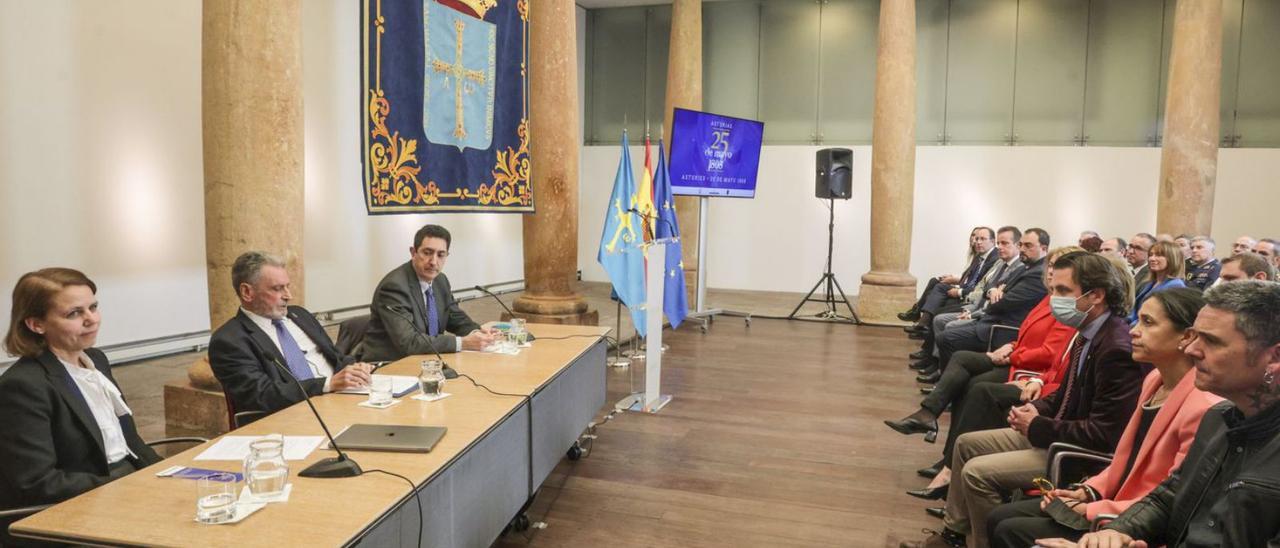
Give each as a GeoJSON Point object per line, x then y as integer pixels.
{"type": "Point", "coordinates": [1227, 492]}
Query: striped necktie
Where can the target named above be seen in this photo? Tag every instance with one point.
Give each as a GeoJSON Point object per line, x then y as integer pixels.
{"type": "Point", "coordinates": [1073, 371]}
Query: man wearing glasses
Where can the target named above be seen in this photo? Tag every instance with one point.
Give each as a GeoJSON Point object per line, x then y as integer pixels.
{"type": "Point", "coordinates": [414, 310]}
{"type": "Point", "coordinates": [1138, 252]}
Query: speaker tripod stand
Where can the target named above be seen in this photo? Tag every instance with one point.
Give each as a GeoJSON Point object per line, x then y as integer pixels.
{"type": "Point", "coordinates": [831, 286]}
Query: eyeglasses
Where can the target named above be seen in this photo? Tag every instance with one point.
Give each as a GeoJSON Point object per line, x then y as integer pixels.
{"type": "Point", "coordinates": [1136, 247]}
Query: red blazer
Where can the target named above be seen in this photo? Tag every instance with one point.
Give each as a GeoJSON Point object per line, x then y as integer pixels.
{"type": "Point", "coordinates": [1042, 340]}
{"type": "Point", "coordinates": [1162, 450]}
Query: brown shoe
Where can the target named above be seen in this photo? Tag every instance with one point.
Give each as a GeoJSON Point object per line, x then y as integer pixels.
{"type": "Point", "coordinates": [945, 539]}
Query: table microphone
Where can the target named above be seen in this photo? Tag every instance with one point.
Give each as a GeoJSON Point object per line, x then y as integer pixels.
{"type": "Point", "coordinates": [340, 466]}
{"type": "Point", "coordinates": [449, 373]}
{"type": "Point", "coordinates": [504, 307]}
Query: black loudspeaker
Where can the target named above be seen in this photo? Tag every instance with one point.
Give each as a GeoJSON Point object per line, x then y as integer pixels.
{"type": "Point", "coordinates": [834, 174]}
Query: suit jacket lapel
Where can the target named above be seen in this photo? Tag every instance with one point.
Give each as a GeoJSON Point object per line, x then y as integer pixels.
{"type": "Point", "coordinates": [261, 339]}
{"type": "Point", "coordinates": [420, 301]}
{"type": "Point", "coordinates": [320, 338]}
{"type": "Point", "coordinates": [1172, 404]}
{"type": "Point", "coordinates": [66, 387]}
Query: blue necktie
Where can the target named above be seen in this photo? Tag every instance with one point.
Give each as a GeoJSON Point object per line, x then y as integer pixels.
{"type": "Point", "coordinates": [433, 315]}
{"type": "Point", "coordinates": [293, 356]}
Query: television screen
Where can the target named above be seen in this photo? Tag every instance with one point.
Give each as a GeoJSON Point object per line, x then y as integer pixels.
{"type": "Point", "coordinates": [714, 155]}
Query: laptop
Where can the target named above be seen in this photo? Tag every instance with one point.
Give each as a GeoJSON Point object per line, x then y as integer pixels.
{"type": "Point", "coordinates": [390, 437]}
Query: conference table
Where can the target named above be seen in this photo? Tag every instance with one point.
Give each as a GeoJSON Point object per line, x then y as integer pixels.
{"type": "Point", "coordinates": [498, 450]}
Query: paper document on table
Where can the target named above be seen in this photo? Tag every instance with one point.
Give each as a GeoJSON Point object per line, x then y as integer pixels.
{"type": "Point", "coordinates": [400, 386]}
{"type": "Point", "coordinates": [237, 447]}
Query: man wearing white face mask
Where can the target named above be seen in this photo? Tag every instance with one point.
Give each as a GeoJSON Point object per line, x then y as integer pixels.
{"type": "Point", "coordinates": [1090, 409]}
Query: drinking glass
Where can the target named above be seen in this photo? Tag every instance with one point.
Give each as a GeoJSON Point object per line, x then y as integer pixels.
{"type": "Point", "coordinates": [216, 501]}
{"type": "Point", "coordinates": [380, 390]}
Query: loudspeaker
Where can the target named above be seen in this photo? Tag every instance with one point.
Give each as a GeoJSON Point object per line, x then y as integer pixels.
{"type": "Point", "coordinates": [834, 174]}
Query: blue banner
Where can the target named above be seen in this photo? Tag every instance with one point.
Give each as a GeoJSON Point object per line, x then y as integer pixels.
{"type": "Point", "coordinates": [444, 107]}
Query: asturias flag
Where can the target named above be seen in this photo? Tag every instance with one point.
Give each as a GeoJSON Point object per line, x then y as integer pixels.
{"type": "Point", "coordinates": [675, 302]}
{"type": "Point", "coordinates": [622, 243]}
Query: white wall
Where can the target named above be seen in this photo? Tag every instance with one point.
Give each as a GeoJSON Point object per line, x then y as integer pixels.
{"type": "Point", "coordinates": [777, 241]}
{"type": "Point", "coordinates": [101, 166]}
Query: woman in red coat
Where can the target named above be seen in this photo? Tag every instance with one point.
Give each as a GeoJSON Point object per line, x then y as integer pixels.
{"type": "Point", "coordinates": [1153, 444]}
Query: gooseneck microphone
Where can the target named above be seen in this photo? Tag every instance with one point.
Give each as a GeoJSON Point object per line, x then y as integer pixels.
{"type": "Point", "coordinates": [504, 307]}
{"type": "Point", "coordinates": [340, 466]}
{"type": "Point", "coordinates": [449, 373]}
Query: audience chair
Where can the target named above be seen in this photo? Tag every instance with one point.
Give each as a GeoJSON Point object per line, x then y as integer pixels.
{"type": "Point", "coordinates": [1089, 462]}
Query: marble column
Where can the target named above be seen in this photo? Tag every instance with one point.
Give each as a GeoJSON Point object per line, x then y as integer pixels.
{"type": "Point", "coordinates": [253, 140]}
{"type": "Point", "coordinates": [1189, 157]}
{"type": "Point", "coordinates": [251, 71]}
{"type": "Point", "coordinates": [684, 90]}
{"type": "Point", "coordinates": [889, 288]}
{"type": "Point", "coordinates": [551, 232]}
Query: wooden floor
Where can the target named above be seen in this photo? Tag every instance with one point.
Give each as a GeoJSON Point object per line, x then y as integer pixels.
{"type": "Point", "coordinates": [774, 438]}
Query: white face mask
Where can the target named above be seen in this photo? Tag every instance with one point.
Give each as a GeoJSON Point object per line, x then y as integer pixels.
{"type": "Point", "coordinates": [1065, 311]}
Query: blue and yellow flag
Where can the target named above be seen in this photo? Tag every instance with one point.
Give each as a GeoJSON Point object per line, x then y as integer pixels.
{"type": "Point", "coordinates": [675, 301]}
{"type": "Point", "coordinates": [622, 242]}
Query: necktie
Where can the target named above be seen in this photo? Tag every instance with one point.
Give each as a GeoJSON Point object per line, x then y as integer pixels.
{"type": "Point", "coordinates": [1073, 371]}
{"type": "Point", "coordinates": [293, 356]}
{"type": "Point", "coordinates": [433, 315]}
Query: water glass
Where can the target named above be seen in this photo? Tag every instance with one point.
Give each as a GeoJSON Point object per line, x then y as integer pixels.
{"type": "Point", "coordinates": [431, 378]}
{"type": "Point", "coordinates": [380, 390]}
{"type": "Point", "coordinates": [265, 470]}
{"type": "Point", "coordinates": [216, 501]}
{"type": "Point", "coordinates": [518, 328]}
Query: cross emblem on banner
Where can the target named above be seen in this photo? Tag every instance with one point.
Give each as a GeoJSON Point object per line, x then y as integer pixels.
{"type": "Point", "coordinates": [460, 75]}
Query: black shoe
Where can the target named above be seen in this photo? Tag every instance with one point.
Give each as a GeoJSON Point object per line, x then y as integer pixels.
{"type": "Point", "coordinates": [912, 425]}
{"type": "Point", "coordinates": [932, 471]}
{"type": "Point", "coordinates": [916, 336]}
{"type": "Point", "coordinates": [918, 355]}
{"type": "Point", "coordinates": [929, 377]}
{"type": "Point", "coordinates": [936, 493]}
{"type": "Point", "coordinates": [909, 316]}
{"type": "Point", "coordinates": [914, 328]}
{"type": "Point", "coordinates": [924, 364]}
{"type": "Point", "coordinates": [939, 512]}
{"type": "Point", "coordinates": [926, 390]}
{"type": "Point", "coordinates": [946, 539]}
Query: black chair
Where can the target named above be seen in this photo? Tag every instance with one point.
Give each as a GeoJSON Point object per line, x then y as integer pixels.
{"type": "Point", "coordinates": [1074, 462]}
{"type": "Point", "coordinates": [13, 514]}
{"type": "Point", "coordinates": [236, 419]}
{"type": "Point", "coordinates": [351, 335]}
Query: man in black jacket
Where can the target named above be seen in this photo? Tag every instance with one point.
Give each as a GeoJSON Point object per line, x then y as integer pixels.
{"type": "Point", "coordinates": [1227, 491]}
{"type": "Point", "coordinates": [249, 352]}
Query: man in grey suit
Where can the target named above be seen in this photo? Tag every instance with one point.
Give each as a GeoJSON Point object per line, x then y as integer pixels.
{"type": "Point", "coordinates": [413, 310]}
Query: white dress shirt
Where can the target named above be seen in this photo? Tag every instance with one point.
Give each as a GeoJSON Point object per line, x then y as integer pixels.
{"type": "Point", "coordinates": [106, 404]}
{"type": "Point", "coordinates": [320, 366]}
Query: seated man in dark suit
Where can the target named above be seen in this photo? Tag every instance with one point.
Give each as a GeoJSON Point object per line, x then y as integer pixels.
{"type": "Point", "coordinates": [413, 310]}
{"type": "Point", "coordinates": [1205, 268]}
{"type": "Point", "coordinates": [248, 352]}
{"type": "Point", "coordinates": [944, 292]}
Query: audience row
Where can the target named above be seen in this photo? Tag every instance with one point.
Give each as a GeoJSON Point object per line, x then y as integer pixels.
{"type": "Point", "coordinates": [1108, 349]}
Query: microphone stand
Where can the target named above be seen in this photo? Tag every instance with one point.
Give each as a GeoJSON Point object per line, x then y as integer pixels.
{"type": "Point", "coordinates": [340, 466]}
{"type": "Point", "coordinates": [504, 307]}
{"type": "Point", "coordinates": [449, 373]}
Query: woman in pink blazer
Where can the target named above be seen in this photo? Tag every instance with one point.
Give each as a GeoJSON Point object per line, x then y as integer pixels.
{"type": "Point", "coordinates": [1153, 444]}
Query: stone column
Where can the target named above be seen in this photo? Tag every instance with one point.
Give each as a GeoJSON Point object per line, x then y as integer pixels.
{"type": "Point", "coordinates": [889, 288]}
{"type": "Point", "coordinates": [684, 90]}
{"type": "Point", "coordinates": [251, 60]}
{"type": "Point", "coordinates": [551, 232]}
{"type": "Point", "coordinates": [1189, 157]}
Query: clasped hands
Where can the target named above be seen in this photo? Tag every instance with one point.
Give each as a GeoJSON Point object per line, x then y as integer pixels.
{"type": "Point", "coordinates": [480, 338]}
{"type": "Point", "coordinates": [1020, 417]}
